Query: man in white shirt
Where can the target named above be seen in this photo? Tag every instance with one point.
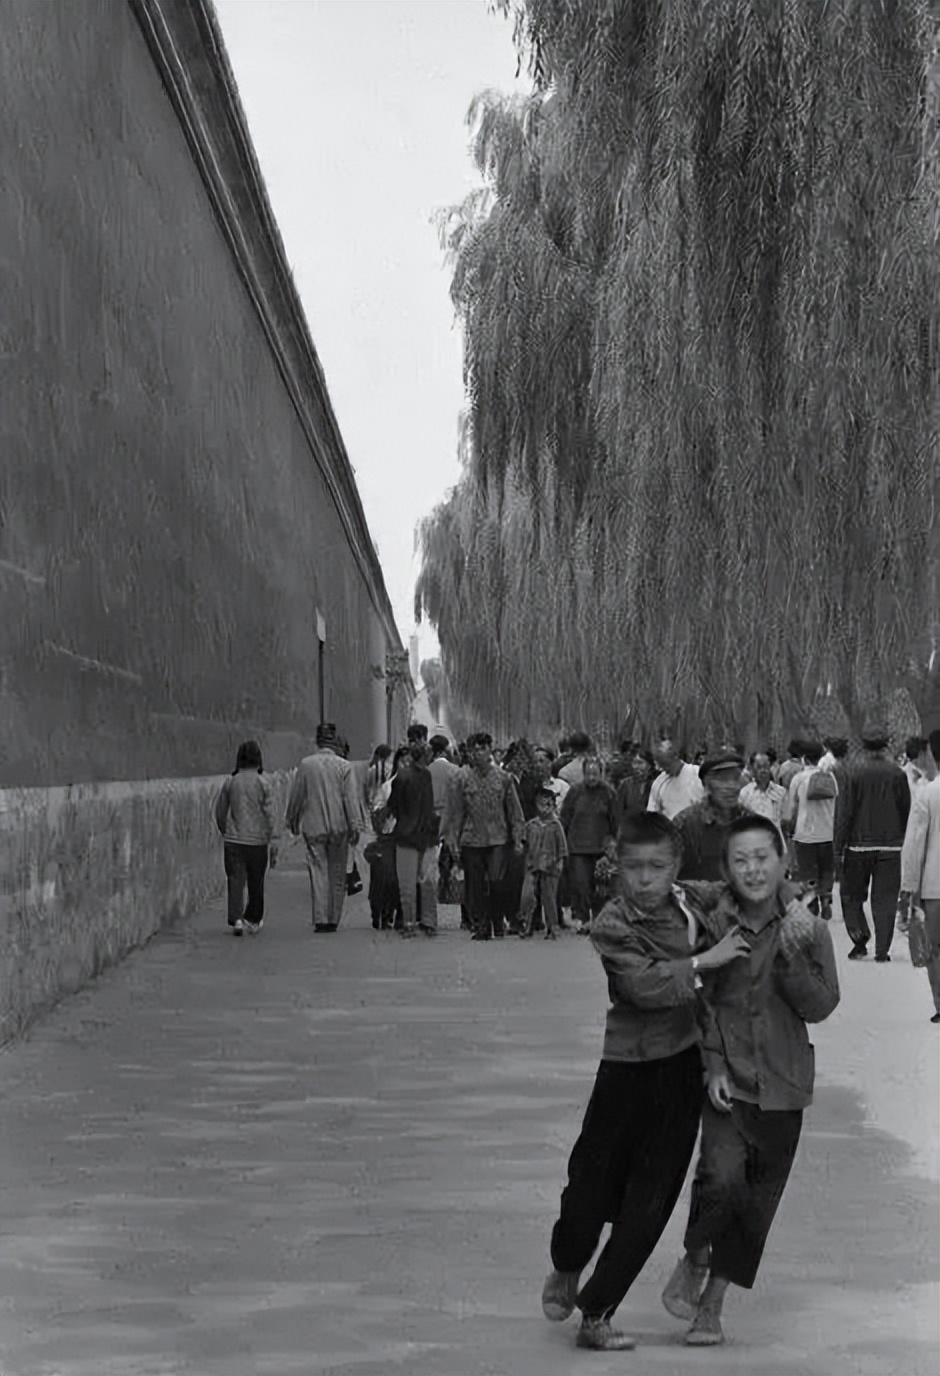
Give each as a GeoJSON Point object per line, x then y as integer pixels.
{"type": "Point", "coordinates": [762, 796]}
{"type": "Point", "coordinates": [920, 867]}
{"type": "Point", "coordinates": [809, 816]}
{"type": "Point", "coordinates": [677, 786]}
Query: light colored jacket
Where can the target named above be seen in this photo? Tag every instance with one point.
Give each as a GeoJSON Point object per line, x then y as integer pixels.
{"type": "Point", "coordinates": [920, 856]}
{"type": "Point", "coordinates": [244, 809]}
{"type": "Point", "coordinates": [324, 797]}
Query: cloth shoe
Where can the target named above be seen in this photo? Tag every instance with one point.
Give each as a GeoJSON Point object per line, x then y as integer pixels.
{"type": "Point", "coordinates": [238, 927]}
{"type": "Point", "coordinates": [706, 1328]}
{"type": "Point", "coordinates": [680, 1296]}
{"type": "Point", "coordinates": [597, 1336]}
{"type": "Point", "coordinates": [559, 1294]}
{"type": "Point", "coordinates": [859, 951]}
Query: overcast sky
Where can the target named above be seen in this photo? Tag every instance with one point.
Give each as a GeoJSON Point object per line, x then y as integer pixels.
{"type": "Point", "coordinates": [357, 109]}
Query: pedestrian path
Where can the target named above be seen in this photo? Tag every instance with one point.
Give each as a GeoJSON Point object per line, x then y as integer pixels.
{"type": "Point", "coordinates": [305, 1153]}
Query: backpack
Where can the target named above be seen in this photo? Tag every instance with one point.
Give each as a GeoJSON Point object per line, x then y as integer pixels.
{"type": "Point", "coordinates": [821, 786]}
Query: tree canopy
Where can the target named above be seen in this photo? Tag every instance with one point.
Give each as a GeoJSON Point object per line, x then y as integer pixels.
{"type": "Point", "coordinates": [698, 292]}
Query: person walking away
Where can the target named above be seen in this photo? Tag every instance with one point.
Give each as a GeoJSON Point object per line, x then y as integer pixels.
{"type": "Point", "coordinates": [920, 868]}
{"type": "Point", "coordinates": [639, 1129]}
{"type": "Point", "coordinates": [677, 785]}
{"type": "Point", "coordinates": [871, 818]}
{"type": "Point", "coordinates": [703, 825]}
{"type": "Point", "coordinates": [244, 814]}
{"type": "Point", "coordinates": [545, 852]}
{"type": "Point", "coordinates": [589, 817]}
{"type": "Point", "coordinates": [482, 819]}
{"type": "Point", "coordinates": [793, 763]}
{"type": "Point", "coordinates": [411, 803]}
{"type": "Point", "coordinates": [759, 1068]}
{"type": "Point", "coordinates": [762, 795]}
{"type": "Point", "coordinates": [581, 747]}
{"type": "Point", "coordinates": [919, 765]}
{"type": "Point", "coordinates": [809, 817]}
{"type": "Point", "coordinates": [324, 807]}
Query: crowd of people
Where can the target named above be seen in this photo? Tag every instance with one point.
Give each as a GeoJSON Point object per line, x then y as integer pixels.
{"type": "Point", "coordinates": [706, 887]}
{"type": "Point", "coordinates": [525, 840]}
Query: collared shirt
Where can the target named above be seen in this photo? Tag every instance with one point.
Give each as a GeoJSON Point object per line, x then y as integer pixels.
{"type": "Point", "coordinates": [760, 1004]}
{"type": "Point", "coordinates": [703, 835]}
{"type": "Point", "coordinates": [545, 845]}
{"type": "Point", "coordinates": [672, 795]}
{"type": "Point", "coordinates": [483, 808]}
{"type": "Point", "coordinates": [442, 774]}
{"type": "Point", "coordinates": [647, 958]}
{"type": "Point", "coordinates": [324, 799]}
{"type": "Point", "coordinates": [765, 802]}
{"type": "Point", "coordinates": [814, 818]}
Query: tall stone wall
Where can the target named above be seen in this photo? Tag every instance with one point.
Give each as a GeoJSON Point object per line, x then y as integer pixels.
{"type": "Point", "coordinates": [179, 522]}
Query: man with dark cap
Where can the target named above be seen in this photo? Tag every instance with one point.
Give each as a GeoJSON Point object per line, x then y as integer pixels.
{"type": "Point", "coordinates": [870, 821]}
{"type": "Point", "coordinates": [702, 826]}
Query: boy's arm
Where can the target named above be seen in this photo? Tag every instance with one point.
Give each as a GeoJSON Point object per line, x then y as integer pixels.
{"type": "Point", "coordinates": [805, 971]}
{"type": "Point", "coordinates": [221, 805]}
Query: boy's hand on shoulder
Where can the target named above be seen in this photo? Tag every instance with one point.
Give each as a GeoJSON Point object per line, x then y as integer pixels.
{"type": "Point", "coordinates": [797, 929]}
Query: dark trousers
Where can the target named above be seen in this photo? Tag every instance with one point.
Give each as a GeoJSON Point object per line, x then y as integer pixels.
{"type": "Point", "coordinates": [484, 870]}
{"type": "Point", "coordinates": [815, 863]}
{"type": "Point", "coordinates": [879, 870]}
{"type": "Point", "coordinates": [743, 1167]}
{"type": "Point", "coordinates": [245, 866]}
{"type": "Point", "coordinates": [584, 899]}
{"type": "Point", "coordinates": [627, 1169]}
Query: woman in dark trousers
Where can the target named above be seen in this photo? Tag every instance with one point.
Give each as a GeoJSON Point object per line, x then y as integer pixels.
{"type": "Point", "coordinates": [589, 817]}
{"type": "Point", "coordinates": [244, 814]}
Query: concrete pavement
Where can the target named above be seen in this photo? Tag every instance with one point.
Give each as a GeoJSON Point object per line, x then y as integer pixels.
{"type": "Point", "coordinates": [342, 1154]}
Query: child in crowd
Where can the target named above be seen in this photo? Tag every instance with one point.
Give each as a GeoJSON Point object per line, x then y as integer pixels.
{"type": "Point", "coordinates": [759, 1067]}
{"type": "Point", "coordinates": [545, 853]}
{"type": "Point", "coordinates": [639, 1129]}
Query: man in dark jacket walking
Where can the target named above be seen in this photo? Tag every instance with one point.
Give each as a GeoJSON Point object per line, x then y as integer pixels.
{"type": "Point", "coordinates": [411, 803]}
{"type": "Point", "coordinates": [871, 817]}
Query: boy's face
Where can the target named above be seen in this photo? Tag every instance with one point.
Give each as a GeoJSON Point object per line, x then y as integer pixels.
{"type": "Point", "coordinates": [545, 806]}
{"type": "Point", "coordinates": [647, 873]}
{"type": "Point", "coordinates": [755, 870]}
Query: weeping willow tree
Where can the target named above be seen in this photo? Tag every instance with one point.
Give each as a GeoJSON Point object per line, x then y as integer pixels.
{"type": "Point", "coordinates": [698, 292]}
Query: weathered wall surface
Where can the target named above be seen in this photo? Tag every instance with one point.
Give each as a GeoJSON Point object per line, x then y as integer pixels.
{"type": "Point", "coordinates": [168, 536]}
{"type": "Point", "coordinates": [89, 872]}
{"type": "Point", "coordinates": [178, 516]}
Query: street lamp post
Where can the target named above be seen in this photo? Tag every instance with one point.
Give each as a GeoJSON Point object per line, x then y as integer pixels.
{"type": "Point", "coordinates": [396, 671]}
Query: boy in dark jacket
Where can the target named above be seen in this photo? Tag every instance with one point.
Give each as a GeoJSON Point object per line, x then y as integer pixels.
{"type": "Point", "coordinates": [545, 852]}
{"type": "Point", "coordinates": [759, 1067]}
{"type": "Point", "coordinates": [639, 1129]}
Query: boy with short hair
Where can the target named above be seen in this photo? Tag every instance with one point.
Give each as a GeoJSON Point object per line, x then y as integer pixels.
{"type": "Point", "coordinates": [545, 852]}
{"type": "Point", "coordinates": [759, 1068]}
{"type": "Point", "coordinates": [639, 1129]}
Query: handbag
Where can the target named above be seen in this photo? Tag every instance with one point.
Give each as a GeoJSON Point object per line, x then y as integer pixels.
{"type": "Point", "coordinates": [917, 942]}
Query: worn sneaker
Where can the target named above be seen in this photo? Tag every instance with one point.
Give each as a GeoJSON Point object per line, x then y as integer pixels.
{"type": "Point", "coordinates": [706, 1328]}
{"type": "Point", "coordinates": [598, 1336]}
{"type": "Point", "coordinates": [559, 1294]}
{"type": "Point", "coordinates": [253, 928]}
{"type": "Point", "coordinates": [238, 927]}
{"type": "Point", "coordinates": [859, 951]}
{"type": "Point", "coordinates": [683, 1288]}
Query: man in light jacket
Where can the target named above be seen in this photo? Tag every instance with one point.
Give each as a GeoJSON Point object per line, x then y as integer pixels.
{"type": "Point", "coordinates": [325, 808]}
{"type": "Point", "coordinates": [920, 867]}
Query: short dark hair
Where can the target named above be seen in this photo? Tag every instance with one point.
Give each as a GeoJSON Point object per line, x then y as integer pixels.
{"type": "Point", "coordinates": [914, 746]}
{"type": "Point", "coordinates": [649, 829]}
{"type": "Point", "coordinates": [417, 732]}
{"type": "Point", "coordinates": [812, 751]}
{"type": "Point", "coordinates": [439, 744]}
{"type": "Point", "coordinates": [545, 793]}
{"type": "Point", "coordinates": [248, 756]}
{"type": "Point", "coordinates": [580, 742]}
{"type": "Point", "coordinates": [479, 738]}
{"type": "Point", "coordinates": [837, 746]}
{"type": "Point", "coordinates": [752, 821]}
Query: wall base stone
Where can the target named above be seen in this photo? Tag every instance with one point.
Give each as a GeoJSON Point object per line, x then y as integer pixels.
{"type": "Point", "coordinates": [91, 871]}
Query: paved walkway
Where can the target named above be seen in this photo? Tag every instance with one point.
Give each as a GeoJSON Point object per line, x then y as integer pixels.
{"type": "Point", "coordinates": [342, 1154]}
